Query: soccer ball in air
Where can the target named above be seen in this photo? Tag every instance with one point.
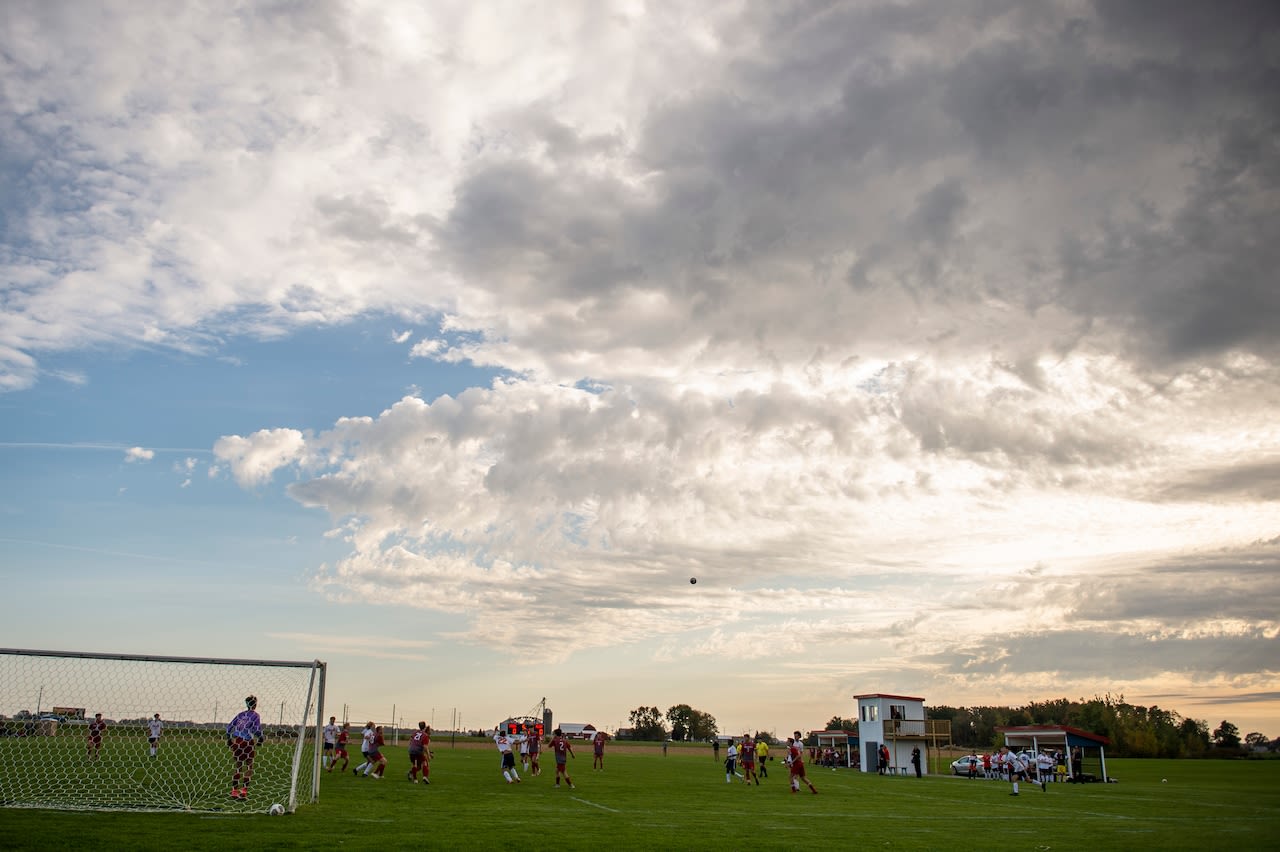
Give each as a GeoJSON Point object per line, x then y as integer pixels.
{"type": "Point", "coordinates": [276, 810]}
{"type": "Point", "coordinates": [693, 581]}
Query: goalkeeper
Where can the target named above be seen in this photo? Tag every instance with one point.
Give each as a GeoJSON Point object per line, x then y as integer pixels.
{"type": "Point", "coordinates": [244, 734]}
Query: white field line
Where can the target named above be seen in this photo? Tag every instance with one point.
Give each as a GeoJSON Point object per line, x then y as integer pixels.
{"type": "Point", "coordinates": [594, 805]}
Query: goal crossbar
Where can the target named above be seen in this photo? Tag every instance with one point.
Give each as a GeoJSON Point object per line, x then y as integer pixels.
{"type": "Point", "coordinates": [153, 658]}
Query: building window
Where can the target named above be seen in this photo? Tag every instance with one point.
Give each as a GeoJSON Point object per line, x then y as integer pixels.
{"type": "Point", "coordinates": [897, 711]}
{"type": "Point", "coordinates": [869, 713]}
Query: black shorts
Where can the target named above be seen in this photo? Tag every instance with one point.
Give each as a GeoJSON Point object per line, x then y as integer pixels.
{"type": "Point", "coordinates": [508, 760]}
{"type": "Point", "coordinates": [328, 746]}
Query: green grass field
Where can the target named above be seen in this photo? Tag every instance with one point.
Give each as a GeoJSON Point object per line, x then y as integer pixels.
{"type": "Point", "coordinates": [644, 800]}
{"type": "Point", "coordinates": [192, 772]}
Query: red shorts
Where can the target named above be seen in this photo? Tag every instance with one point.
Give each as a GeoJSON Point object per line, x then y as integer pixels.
{"type": "Point", "coordinates": [798, 769]}
{"type": "Point", "coordinates": [242, 750]}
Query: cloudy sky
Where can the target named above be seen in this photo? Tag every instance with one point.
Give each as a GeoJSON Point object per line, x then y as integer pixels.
{"type": "Point", "coordinates": [445, 342]}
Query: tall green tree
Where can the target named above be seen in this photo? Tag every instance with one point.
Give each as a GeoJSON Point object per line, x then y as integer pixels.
{"type": "Point", "coordinates": [704, 726]}
{"type": "Point", "coordinates": [1195, 737]}
{"type": "Point", "coordinates": [646, 723]}
{"type": "Point", "coordinates": [681, 718]}
{"type": "Point", "coordinates": [1226, 735]}
{"type": "Point", "coordinates": [690, 724]}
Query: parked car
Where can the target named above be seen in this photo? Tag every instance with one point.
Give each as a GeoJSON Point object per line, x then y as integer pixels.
{"type": "Point", "coordinates": [960, 766]}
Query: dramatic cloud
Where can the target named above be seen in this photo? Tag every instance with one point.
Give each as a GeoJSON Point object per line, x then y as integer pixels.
{"type": "Point", "coordinates": [904, 315]}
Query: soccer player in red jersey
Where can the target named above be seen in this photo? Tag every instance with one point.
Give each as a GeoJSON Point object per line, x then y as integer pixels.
{"type": "Point", "coordinates": [562, 748]}
{"type": "Point", "coordinates": [96, 729]}
{"type": "Point", "coordinates": [378, 741]}
{"type": "Point", "coordinates": [244, 734]}
{"type": "Point", "coordinates": [340, 748]}
{"type": "Point", "coordinates": [795, 760]}
{"type": "Point", "coordinates": [748, 758]}
{"type": "Point", "coordinates": [534, 741]}
{"type": "Point", "coordinates": [419, 753]}
{"type": "Point", "coordinates": [597, 746]}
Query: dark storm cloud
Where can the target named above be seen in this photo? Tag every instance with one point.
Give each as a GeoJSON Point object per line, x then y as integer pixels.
{"type": "Point", "coordinates": [770, 163]}
{"type": "Point", "coordinates": [516, 225]}
{"type": "Point", "coordinates": [1259, 480]}
{"type": "Point", "coordinates": [363, 220]}
{"type": "Point", "coordinates": [1242, 698]}
{"type": "Point", "coordinates": [1202, 615]}
{"type": "Point", "coordinates": [1110, 656]}
{"type": "Point", "coordinates": [1185, 592]}
{"type": "Point", "coordinates": [1207, 29]}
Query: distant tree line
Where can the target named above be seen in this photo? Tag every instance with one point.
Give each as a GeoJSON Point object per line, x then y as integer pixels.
{"type": "Point", "coordinates": [650, 723]}
{"type": "Point", "coordinates": [1134, 730]}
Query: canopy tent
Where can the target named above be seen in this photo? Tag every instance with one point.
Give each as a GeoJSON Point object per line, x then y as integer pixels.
{"type": "Point", "coordinates": [1038, 737]}
{"type": "Point", "coordinates": [842, 742]}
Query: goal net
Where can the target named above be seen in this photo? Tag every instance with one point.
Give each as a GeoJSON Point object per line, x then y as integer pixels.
{"type": "Point", "coordinates": [162, 741]}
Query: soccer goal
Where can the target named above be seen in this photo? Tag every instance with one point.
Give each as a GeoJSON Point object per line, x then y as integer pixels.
{"type": "Point", "coordinates": [91, 731]}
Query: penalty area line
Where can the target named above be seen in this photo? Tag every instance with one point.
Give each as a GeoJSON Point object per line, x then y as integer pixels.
{"type": "Point", "coordinates": [594, 805]}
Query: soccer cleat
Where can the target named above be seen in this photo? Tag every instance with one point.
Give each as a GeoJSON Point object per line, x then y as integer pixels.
{"type": "Point", "coordinates": [355, 772]}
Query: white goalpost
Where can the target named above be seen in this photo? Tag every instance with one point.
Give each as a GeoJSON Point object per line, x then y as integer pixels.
{"type": "Point", "coordinates": [89, 731]}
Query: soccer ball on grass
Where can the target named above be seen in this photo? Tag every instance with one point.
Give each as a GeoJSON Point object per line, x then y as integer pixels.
{"type": "Point", "coordinates": [276, 810]}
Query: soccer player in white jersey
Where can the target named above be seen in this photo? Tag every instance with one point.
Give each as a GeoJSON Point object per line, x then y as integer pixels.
{"type": "Point", "coordinates": [1044, 768]}
{"type": "Point", "coordinates": [374, 762]}
{"type": "Point", "coordinates": [330, 741]}
{"type": "Point", "coordinates": [154, 727]}
{"type": "Point", "coordinates": [503, 742]}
